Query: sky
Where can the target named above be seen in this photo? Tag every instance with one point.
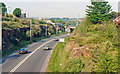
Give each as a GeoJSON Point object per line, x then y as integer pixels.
{"type": "Point", "coordinates": [53, 8]}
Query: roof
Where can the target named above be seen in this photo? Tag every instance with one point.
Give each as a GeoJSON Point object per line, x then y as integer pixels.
{"type": "Point", "coordinates": [59, 24]}
{"type": "Point", "coordinates": [116, 18]}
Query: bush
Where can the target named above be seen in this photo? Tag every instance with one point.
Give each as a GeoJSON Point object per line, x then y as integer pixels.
{"type": "Point", "coordinates": [106, 62]}
{"type": "Point", "coordinates": [14, 41]}
{"type": "Point", "coordinates": [4, 18]}
{"type": "Point", "coordinates": [15, 20]}
{"type": "Point", "coordinates": [28, 33]}
{"type": "Point", "coordinates": [11, 15]}
{"type": "Point", "coordinates": [74, 65]}
{"type": "Point", "coordinates": [9, 19]}
{"type": "Point", "coordinates": [82, 28]}
{"type": "Point", "coordinates": [42, 22]}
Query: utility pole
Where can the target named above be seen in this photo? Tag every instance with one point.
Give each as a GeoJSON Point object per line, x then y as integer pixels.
{"type": "Point", "coordinates": [76, 22]}
{"type": "Point", "coordinates": [46, 29]}
{"type": "Point", "coordinates": [0, 28]}
{"type": "Point", "coordinates": [0, 37]}
{"type": "Point", "coordinates": [30, 21]}
{"type": "Point", "coordinates": [56, 29]}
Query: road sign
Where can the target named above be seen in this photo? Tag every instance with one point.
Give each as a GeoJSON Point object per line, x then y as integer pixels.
{"type": "Point", "coordinates": [61, 40]}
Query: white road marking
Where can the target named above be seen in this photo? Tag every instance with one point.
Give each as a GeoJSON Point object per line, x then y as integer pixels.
{"type": "Point", "coordinates": [47, 60]}
{"type": "Point", "coordinates": [44, 66]}
{"type": "Point", "coordinates": [19, 64]}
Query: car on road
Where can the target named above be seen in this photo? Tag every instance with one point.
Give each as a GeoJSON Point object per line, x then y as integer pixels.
{"type": "Point", "coordinates": [46, 47]}
{"type": "Point", "coordinates": [56, 39]}
{"type": "Point", "coordinates": [23, 50]}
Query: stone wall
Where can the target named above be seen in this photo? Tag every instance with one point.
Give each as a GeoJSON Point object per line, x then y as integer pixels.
{"type": "Point", "coordinates": [11, 34]}
{"type": "Point", "coordinates": [14, 36]}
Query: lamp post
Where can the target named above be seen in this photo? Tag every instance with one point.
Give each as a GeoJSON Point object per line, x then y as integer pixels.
{"type": "Point", "coordinates": [30, 26]}
{"type": "Point", "coordinates": [0, 37]}
{"type": "Point", "coordinates": [0, 29]}
{"type": "Point", "coordinates": [46, 29]}
{"type": "Point", "coordinates": [30, 22]}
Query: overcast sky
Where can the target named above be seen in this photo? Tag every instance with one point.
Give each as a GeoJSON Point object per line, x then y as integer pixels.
{"type": "Point", "coordinates": [53, 8]}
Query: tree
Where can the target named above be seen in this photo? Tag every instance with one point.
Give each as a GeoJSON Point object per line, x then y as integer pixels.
{"type": "Point", "coordinates": [98, 12]}
{"type": "Point", "coordinates": [42, 22]}
{"type": "Point", "coordinates": [4, 9]}
{"type": "Point", "coordinates": [17, 12]}
{"type": "Point", "coordinates": [52, 20]}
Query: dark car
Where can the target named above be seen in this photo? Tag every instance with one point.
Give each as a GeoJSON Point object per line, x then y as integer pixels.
{"type": "Point", "coordinates": [23, 50]}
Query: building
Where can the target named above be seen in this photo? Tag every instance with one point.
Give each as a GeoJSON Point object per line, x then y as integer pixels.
{"type": "Point", "coordinates": [40, 18]}
{"type": "Point", "coordinates": [117, 21]}
{"type": "Point", "coordinates": [48, 21]}
{"type": "Point", "coordinates": [23, 15]}
{"type": "Point", "coordinates": [59, 24]}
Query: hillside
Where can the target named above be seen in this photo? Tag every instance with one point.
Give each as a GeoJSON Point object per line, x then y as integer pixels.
{"type": "Point", "coordinates": [16, 32]}
{"type": "Point", "coordinates": [90, 48]}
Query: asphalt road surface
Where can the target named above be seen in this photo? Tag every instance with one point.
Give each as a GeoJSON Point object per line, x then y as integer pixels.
{"type": "Point", "coordinates": [33, 60]}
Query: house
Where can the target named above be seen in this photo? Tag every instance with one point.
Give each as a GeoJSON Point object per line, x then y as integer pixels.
{"type": "Point", "coordinates": [23, 15]}
{"type": "Point", "coordinates": [117, 21]}
{"type": "Point", "coordinates": [60, 24]}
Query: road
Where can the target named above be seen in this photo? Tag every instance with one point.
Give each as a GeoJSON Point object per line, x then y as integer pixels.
{"type": "Point", "coordinates": [32, 61]}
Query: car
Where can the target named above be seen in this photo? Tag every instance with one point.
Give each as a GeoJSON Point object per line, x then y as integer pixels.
{"type": "Point", "coordinates": [46, 48]}
{"type": "Point", "coordinates": [56, 39]}
{"type": "Point", "coordinates": [23, 50]}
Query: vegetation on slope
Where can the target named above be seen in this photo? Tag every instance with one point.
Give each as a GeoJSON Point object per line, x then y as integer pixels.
{"type": "Point", "coordinates": [90, 48]}
{"type": "Point", "coordinates": [102, 39]}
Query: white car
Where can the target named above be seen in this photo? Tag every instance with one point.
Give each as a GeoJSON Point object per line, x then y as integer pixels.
{"type": "Point", "coordinates": [46, 48]}
{"type": "Point", "coordinates": [56, 39]}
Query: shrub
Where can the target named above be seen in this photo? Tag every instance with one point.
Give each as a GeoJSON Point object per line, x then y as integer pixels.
{"type": "Point", "coordinates": [82, 28]}
{"type": "Point", "coordinates": [42, 22]}
{"type": "Point", "coordinates": [74, 65]}
{"type": "Point", "coordinates": [14, 41]}
{"type": "Point", "coordinates": [15, 20]}
{"type": "Point", "coordinates": [9, 19]}
{"type": "Point", "coordinates": [106, 62]}
{"type": "Point", "coordinates": [11, 15]}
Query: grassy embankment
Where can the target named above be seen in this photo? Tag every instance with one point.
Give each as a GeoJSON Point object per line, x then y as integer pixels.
{"type": "Point", "coordinates": [90, 48]}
